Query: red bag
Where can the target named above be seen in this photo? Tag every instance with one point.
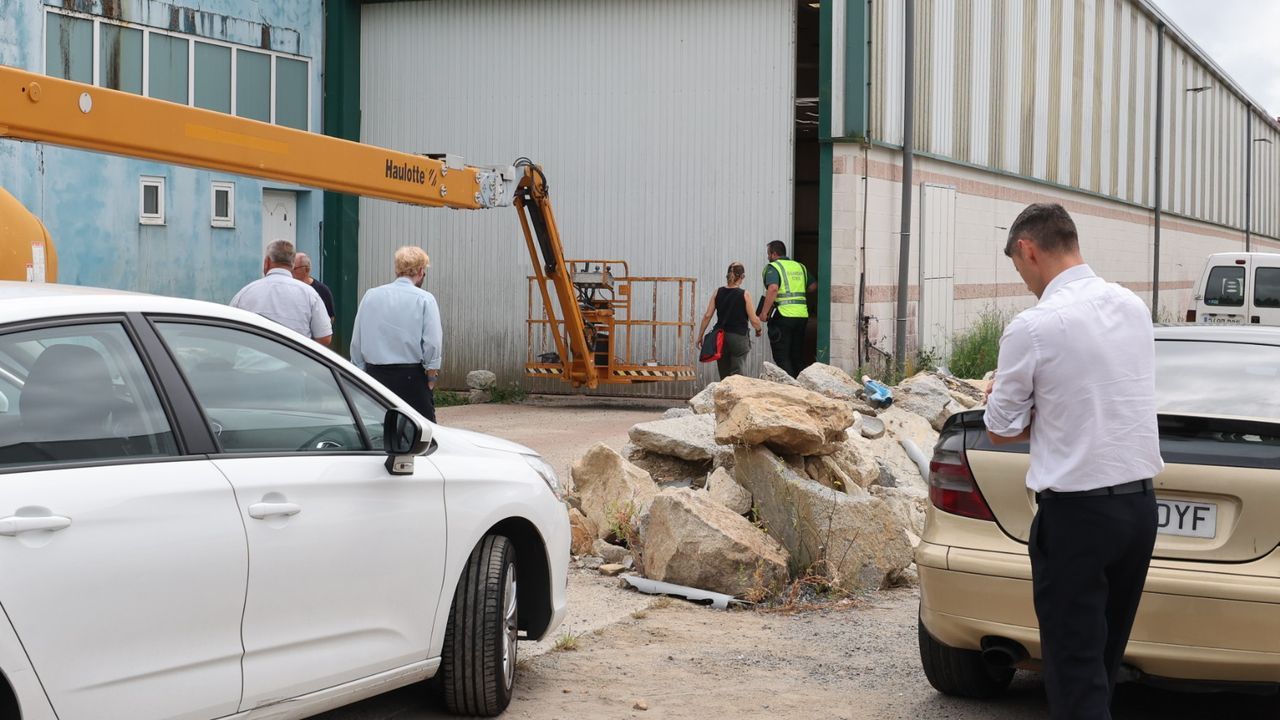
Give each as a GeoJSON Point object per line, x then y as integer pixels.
{"type": "Point", "coordinates": [712, 346]}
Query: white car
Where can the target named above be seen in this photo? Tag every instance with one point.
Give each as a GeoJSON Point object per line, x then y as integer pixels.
{"type": "Point", "coordinates": [198, 519]}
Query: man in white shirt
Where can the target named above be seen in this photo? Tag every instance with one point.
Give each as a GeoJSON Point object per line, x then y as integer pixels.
{"type": "Point", "coordinates": [397, 333]}
{"type": "Point", "coordinates": [279, 297]}
{"type": "Point", "coordinates": [1076, 377]}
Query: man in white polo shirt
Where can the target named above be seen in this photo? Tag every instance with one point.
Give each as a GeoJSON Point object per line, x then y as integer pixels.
{"type": "Point", "coordinates": [1076, 377]}
{"type": "Point", "coordinates": [278, 296]}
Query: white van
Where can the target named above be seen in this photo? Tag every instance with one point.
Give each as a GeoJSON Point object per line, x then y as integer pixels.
{"type": "Point", "coordinates": [1238, 288]}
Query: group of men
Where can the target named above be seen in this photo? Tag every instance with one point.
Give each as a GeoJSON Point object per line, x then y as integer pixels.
{"type": "Point", "coordinates": [397, 333]}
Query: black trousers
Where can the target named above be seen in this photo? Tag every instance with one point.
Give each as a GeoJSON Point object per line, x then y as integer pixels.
{"type": "Point", "coordinates": [410, 383]}
{"type": "Point", "coordinates": [786, 340]}
{"type": "Point", "coordinates": [1089, 558]}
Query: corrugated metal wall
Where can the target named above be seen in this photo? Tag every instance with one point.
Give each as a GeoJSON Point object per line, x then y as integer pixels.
{"type": "Point", "coordinates": [665, 128]}
{"type": "Point", "coordinates": [1064, 91]}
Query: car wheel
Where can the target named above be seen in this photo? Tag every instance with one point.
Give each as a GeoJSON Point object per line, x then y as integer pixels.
{"type": "Point", "coordinates": [478, 664]}
{"type": "Point", "coordinates": [960, 672]}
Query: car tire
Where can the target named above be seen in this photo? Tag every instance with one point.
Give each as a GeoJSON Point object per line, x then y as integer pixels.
{"type": "Point", "coordinates": [478, 663]}
{"type": "Point", "coordinates": [960, 672]}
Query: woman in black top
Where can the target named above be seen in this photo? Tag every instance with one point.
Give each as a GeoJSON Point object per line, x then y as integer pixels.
{"type": "Point", "coordinates": [733, 309]}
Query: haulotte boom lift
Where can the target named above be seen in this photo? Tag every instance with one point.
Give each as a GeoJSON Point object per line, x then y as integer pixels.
{"type": "Point", "coordinates": [584, 308]}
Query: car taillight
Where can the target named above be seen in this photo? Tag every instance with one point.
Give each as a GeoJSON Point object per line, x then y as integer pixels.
{"type": "Point", "coordinates": [951, 485]}
{"type": "Point", "coordinates": [1191, 316]}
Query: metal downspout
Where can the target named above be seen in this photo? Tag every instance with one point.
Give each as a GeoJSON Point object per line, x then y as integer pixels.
{"type": "Point", "coordinates": [1155, 262]}
{"type": "Point", "coordinates": [908, 130]}
{"type": "Point", "coordinates": [1248, 178]}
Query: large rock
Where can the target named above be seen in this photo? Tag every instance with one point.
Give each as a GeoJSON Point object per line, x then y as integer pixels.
{"type": "Point", "coordinates": [611, 490]}
{"type": "Point", "coordinates": [893, 466]}
{"type": "Point", "coordinates": [668, 470]}
{"type": "Point", "coordinates": [583, 533]}
{"type": "Point", "coordinates": [722, 488]}
{"type": "Point", "coordinates": [479, 397]}
{"type": "Point", "coordinates": [773, 373]}
{"type": "Point", "coordinates": [908, 504]}
{"type": "Point", "coordinates": [830, 381]}
{"type": "Point", "coordinates": [610, 553]}
{"type": "Point", "coordinates": [481, 379]}
{"type": "Point", "coordinates": [688, 438]}
{"type": "Point", "coordinates": [857, 541]}
{"type": "Point", "coordinates": [704, 402]}
{"type": "Point", "coordinates": [856, 464]}
{"type": "Point", "coordinates": [689, 539]}
{"type": "Point", "coordinates": [789, 420]}
{"type": "Point", "coordinates": [829, 472]}
{"type": "Point", "coordinates": [927, 396]}
{"type": "Point", "coordinates": [676, 412]}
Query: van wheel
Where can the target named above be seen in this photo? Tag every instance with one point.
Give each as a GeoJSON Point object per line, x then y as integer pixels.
{"type": "Point", "coordinates": [478, 663]}
{"type": "Point", "coordinates": [960, 672]}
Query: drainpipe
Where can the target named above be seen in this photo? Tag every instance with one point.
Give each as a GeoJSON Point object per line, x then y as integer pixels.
{"type": "Point", "coordinates": [1248, 178]}
{"type": "Point", "coordinates": [1155, 264]}
{"type": "Point", "coordinates": [908, 130]}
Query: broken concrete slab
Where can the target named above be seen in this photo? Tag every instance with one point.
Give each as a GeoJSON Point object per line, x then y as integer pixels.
{"type": "Point", "coordinates": [704, 402]}
{"type": "Point", "coordinates": [610, 489]}
{"type": "Point", "coordinates": [689, 539]}
{"type": "Point", "coordinates": [789, 420]}
{"type": "Point", "coordinates": [722, 488]}
{"type": "Point", "coordinates": [857, 541]}
{"type": "Point", "coordinates": [688, 438]}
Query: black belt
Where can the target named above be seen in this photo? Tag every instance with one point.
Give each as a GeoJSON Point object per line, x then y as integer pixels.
{"type": "Point", "coordinates": [1129, 488]}
{"type": "Point", "coordinates": [396, 366]}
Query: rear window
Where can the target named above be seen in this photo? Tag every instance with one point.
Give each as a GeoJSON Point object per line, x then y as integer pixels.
{"type": "Point", "coordinates": [1266, 287]}
{"type": "Point", "coordinates": [1225, 287]}
{"type": "Point", "coordinates": [1218, 378]}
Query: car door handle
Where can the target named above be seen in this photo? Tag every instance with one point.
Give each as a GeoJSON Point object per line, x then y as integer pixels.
{"type": "Point", "coordinates": [15, 524]}
{"type": "Point", "coordinates": [264, 510]}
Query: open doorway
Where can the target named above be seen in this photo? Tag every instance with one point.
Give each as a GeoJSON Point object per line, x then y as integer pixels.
{"type": "Point", "coordinates": [804, 237]}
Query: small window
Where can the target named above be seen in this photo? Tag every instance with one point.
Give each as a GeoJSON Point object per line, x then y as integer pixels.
{"type": "Point", "coordinates": [151, 200]}
{"type": "Point", "coordinates": [292, 109]}
{"type": "Point", "coordinates": [68, 47]}
{"type": "Point", "coordinates": [167, 68]}
{"type": "Point", "coordinates": [253, 85]}
{"type": "Point", "coordinates": [213, 77]}
{"type": "Point", "coordinates": [120, 66]}
{"type": "Point", "coordinates": [224, 205]}
{"type": "Point", "coordinates": [1225, 287]}
{"type": "Point", "coordinates": [1266, 287]}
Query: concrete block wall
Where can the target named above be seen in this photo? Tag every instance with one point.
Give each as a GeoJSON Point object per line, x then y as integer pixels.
{"type": "Point", "coordinates": [1116, 239]}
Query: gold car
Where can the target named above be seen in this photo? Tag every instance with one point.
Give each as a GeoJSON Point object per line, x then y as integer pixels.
{"type": "Point", "coordinates": [1210, 612]}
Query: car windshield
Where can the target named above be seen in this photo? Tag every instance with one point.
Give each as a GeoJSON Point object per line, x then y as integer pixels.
{"type": "Point", "coordinates": [1218, 378]}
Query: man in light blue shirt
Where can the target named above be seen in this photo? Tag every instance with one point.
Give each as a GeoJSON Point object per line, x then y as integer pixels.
{"type": "Point", "coordinates": [397, 333]}
{"type": "Point", "coordinates": [279, 297]}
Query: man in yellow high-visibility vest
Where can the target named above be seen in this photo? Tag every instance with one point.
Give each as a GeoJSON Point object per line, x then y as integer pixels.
{"type": "Point", "coordinates": [785, 284]}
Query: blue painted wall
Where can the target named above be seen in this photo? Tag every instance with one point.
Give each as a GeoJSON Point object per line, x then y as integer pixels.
{"type": "Point", "coordinates": [89, 202]}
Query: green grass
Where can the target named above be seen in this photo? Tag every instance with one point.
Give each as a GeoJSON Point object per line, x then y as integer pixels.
{"type": "Point", "coordinates": [974, 351]}
{"type": "Point", "coordinates": [509, 393]}
{"type": "Point", "coordinates": [449, 398]}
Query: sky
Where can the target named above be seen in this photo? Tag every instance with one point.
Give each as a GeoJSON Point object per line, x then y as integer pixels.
{"type": "Point", "coordinates": [1239, 35]}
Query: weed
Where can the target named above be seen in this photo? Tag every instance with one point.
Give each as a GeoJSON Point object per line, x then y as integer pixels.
{"type": "Point", "coordinates": [566, 642]}
{"type": "Point", "coordinates": [660, 603]}
{"type": "Point", "coordinates": [974, 352]}
{"type": "Point", "coordinates": [640, 614]}
{"type": "Point", "coordinates": [449, 398]}
{"type": "Point", "coordinates": [509, 393]}
{"type": "Point", "coordinates": [622, 529]}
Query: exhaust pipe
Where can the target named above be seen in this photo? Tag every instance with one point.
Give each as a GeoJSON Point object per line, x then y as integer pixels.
{"type": "Point", "coordinates": [1002, 652]}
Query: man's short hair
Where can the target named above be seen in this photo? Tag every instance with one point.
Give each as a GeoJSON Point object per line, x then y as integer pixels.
{"type": "Point", "coordinates": [1048, 225]}
{"type": "Point", "coordinates": [280, 252]}
{"type": "Point", "coordinates": [411, 260]}
{"type": "Point", "coordinates": [777, 247]}
{"type": "Point", "coordinates": [302, 259]}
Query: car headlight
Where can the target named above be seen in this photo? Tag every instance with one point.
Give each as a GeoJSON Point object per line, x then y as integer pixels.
{"type": "Point", "coordinates": [546, 472]}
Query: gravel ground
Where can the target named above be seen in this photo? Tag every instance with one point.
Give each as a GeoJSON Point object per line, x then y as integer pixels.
{"type": "Point", "coordinates": [856, 660]}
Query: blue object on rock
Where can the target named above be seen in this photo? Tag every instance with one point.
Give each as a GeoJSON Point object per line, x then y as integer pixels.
{"type": "Point", "coordinates": [878, 394]}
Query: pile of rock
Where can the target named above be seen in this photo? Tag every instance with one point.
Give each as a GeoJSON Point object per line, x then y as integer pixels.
{"type": "Point", "coordinates": [760, 481]}
{"type": "Point", "coordinates": [480, 383]}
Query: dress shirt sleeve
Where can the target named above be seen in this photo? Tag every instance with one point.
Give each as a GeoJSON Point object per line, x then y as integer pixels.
{"type": "Point", "coordinates": [1009, 408]}
{"type": "Point", "coordinates": [320, 325]}
{"type": "Point", "coordinates": [432, 334]}
{"type": "Point", "coordinates": [357, 356]}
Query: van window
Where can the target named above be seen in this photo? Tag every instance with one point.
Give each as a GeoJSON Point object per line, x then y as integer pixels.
{"type": "Point", "coordinates": [1225, 287]}
{"type": "Point", "coordinates": [1266, 287]}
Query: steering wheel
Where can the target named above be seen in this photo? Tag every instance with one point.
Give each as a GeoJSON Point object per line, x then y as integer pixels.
{"type": "Point", "coordinates": [327, 439]}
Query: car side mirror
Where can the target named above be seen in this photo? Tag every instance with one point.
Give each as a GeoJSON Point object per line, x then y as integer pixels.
{"type": "Point", "coordinates": [402, 441]}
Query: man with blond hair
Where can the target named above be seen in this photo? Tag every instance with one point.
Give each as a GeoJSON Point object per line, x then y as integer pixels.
{"type": "Point", "coordinates": [397, 333]}
{"type": "Point", "coordinates": [278, 296]}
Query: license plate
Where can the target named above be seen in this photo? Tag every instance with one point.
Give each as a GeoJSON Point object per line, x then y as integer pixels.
{"type": "Point", "coordinates": [1224, 319]}
{"type": "Point", "coordinates": [1186, 518]}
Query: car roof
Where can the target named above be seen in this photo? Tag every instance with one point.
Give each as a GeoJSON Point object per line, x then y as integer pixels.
{"type": "Point", "coordinates": [21, 301]}
{"type": "Point", "coordinates": [1251, 334]}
